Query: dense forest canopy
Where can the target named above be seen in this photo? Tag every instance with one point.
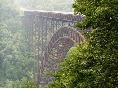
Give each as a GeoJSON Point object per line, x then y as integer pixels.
{"type": "Point", "coordinates": [94, 62]}
{"type": "Point", "coordinates": [16, 59]}
{"type": "Point", "coordinates": [17, 62]}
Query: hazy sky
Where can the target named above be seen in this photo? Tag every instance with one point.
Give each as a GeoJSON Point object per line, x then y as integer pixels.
{"type": "Point", "coordinates": [64, 5]}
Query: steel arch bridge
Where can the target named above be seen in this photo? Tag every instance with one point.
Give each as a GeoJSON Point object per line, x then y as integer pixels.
{"type": "Point", "coordinates": [51, 35]}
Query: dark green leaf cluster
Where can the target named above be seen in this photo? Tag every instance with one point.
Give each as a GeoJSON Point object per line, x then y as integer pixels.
{"type": "Point", "coordinates": [99, 13]}
{"type": "Point", "coordinates": [93, 63]}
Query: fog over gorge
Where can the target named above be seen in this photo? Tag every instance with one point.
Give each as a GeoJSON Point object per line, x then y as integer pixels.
{"type": "Point", "coordinates": [49, 5]}
{"type": "Point", "coordinates": [17, 60]}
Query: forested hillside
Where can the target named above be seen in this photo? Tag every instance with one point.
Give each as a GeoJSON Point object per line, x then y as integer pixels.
{"type": "Point", "coordinates": [17, 62]}
{"type": "Point", "coordinates": [16, 59]}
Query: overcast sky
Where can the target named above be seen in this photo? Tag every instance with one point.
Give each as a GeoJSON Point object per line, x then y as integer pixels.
{"type": "Point", "coordinates": [46, 4]}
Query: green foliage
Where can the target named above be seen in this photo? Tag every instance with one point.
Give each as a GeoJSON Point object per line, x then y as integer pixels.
{"type": "Point", "coordinates": [16, 59]}
{"type": "Point", "coordinates": [75, 69]}
{"type": "Point", "coordinates": [99, 13]}
{"type": "Point", "coordinates": [29, 84]}
{"type": "Point", "coordinates": [93, 63]}
{"type": "Point", "coordinates": [24, 83]}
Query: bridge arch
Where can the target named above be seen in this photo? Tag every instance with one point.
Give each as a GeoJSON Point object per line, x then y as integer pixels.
{"type": "Point", "coordinates": [43, 26]}
{"type": "Point", "coordinates": [60, 43]}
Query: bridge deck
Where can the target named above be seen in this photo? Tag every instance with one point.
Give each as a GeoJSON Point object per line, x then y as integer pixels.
{"type": "Point", "coordinates": [67, 16]}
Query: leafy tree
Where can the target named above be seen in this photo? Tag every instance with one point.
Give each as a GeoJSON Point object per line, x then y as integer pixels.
{"type": "Point", "coordinates": [93, 63]}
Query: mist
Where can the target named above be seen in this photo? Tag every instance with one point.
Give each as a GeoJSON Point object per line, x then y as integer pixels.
{"type": "Point", "coordinates": [18, 65]}
{"type": "Point", "coordinates": [49, 5]}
